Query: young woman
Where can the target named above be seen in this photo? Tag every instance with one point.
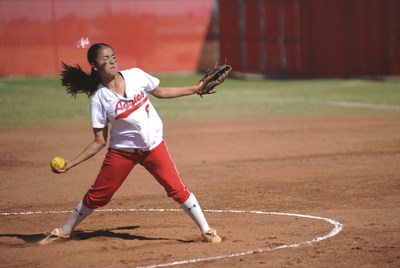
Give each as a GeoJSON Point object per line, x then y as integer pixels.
{"type": "Point", "coordinates": [119, 98]}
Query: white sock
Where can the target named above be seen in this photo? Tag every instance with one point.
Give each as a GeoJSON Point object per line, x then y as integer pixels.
{"type": "Point", "coordinates": [193, 209]}
{"type": "Point", "coordinates": [79, 214]}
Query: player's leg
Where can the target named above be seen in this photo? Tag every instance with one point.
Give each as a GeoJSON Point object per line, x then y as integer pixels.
{"type": "Point", "coordinates": [160, 165]}
{"type": "Point", "coordinates": [78, 215]}
{"type": "Point", "coordinates": [192, 207]}
{"type": "Point", "coordinates": [116, 167]}
{"type": "Point", "coordinates": [113, 173]}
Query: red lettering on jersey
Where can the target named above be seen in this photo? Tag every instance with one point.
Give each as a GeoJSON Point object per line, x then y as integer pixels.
{"type": "Point", "coordinates": [118, 107]}
{"type": "Point", "coordinates": [131, 108]}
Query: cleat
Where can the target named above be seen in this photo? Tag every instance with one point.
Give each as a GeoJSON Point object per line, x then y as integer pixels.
{"type": "Point", "coordinates": [55, 236]}
{"type": "Point", "coordinates": [57, 233]}
{"type": "Point", "coordinates": [211, 236]}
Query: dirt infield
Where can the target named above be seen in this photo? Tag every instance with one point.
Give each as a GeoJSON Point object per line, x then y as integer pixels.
{"type": "Point", "coordinates": [340, 168]}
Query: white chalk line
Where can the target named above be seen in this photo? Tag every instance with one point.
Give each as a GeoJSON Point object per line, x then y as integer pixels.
{"type": "Point", "coordinates": [337, 228]}
{"type": "Point", "coordinates": [363, 105]}
{"type": "Point", "coordinates": [347, 104]}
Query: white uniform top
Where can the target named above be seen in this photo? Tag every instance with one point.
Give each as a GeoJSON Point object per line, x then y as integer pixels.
{"type": "Point", "coordinates": [135, 122]}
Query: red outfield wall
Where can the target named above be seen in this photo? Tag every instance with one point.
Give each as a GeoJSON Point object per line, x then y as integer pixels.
{"type": "Point", "coordinates": [311, 38]}
{"type": "Point", "coordinates": [155, 35]}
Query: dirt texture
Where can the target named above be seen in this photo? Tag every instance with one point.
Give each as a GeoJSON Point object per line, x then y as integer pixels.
{"type": "Point", "coordinates": [334, 183]}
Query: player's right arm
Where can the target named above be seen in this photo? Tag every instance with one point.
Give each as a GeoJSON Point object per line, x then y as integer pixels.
{"type": "Point", "coordinates": [100, 141]}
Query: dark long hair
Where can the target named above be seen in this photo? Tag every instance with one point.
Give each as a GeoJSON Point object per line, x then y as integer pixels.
{"type": "Point", "coordinates": [76, 80]}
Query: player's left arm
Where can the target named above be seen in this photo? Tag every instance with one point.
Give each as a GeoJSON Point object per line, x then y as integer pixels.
{"type": "Point", "coordinates": [175, 92]}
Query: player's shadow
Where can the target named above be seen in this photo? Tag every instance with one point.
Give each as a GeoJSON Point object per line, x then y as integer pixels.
{"type": "Point", "coordinates": [34, 238]}
{"type": "Point", "coordinates": [109, 233]}
{"type": "Point", "coordinates": [84, 235]}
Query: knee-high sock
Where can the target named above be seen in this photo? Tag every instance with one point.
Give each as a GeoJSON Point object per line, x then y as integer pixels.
{"type": "Point", "coordinates": [79, 214]}
{"type": "Point", "coordinates": [193, 209]}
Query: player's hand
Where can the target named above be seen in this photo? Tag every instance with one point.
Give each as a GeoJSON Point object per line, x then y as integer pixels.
{"type": "Point", "coordinates": [199, 85]}
{"type": "Point", "coordinates": [67, 166]}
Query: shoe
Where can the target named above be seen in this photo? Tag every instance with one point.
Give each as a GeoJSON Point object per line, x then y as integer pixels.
{"type": "Point", "coordinates": [211, 236]}
{"type": "Point", "coordinates": [55, 236]}
{"type": "Point", "coordinates": [57, 233]}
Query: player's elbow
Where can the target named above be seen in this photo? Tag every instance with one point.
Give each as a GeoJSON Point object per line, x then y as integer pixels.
{"type": "Point", "coordinates": [102, 144]}
{"type": "Point", "coordinates": [160, 93]}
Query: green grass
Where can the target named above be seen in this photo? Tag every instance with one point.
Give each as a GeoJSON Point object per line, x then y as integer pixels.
{"type": "Point", "coordinates": [41, 101]}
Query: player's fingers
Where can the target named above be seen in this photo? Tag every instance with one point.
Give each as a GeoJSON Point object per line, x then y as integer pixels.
{"type": "Point", "coordinates": [57, 171]}
{"type": "Point", "coordinates": [61, 170]}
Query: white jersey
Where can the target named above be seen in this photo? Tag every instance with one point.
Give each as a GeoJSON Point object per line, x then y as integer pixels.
{"type": "Point", "coordinates": [135, 122]}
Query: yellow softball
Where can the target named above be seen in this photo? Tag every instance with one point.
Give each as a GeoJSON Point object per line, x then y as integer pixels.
{"type": "Point", "coordinates": [57, 163]}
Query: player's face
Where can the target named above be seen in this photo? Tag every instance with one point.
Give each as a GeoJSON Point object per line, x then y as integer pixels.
{"type": "Point", "coordinates": [106, 62]}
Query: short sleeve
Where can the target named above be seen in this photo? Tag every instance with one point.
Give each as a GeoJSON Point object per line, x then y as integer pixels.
{"type": "Point", "coordinates": [137, 78]}
{"type": "Point", "coordinates": [152, 82]}
{"type": "Point", "coordinates": [98, 114]}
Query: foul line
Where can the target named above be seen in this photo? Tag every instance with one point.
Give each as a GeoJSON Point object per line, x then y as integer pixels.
{"type": "Point", "coordinates": [363, 105]}
{"type": "Point", "coordinates": [336, 229]}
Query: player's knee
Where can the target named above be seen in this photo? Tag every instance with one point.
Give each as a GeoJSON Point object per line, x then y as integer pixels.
{"type": "Point", "coordinates": [95, 202]}
{"type": "Point", "coordinates": [180, 196]}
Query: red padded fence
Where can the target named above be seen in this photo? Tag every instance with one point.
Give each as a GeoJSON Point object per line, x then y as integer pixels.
{"type": "Point", "coordinates": [155, 35]}
{"type": "Point", "coordinates": [277, 38]}
{"type": "Point", "coordinates": [311, 38]}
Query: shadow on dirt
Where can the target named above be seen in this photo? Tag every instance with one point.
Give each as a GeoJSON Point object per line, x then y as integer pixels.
{"type": "Point", "coordinates": [85, 235]}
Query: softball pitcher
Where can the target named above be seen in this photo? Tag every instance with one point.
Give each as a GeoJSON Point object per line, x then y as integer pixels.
{"type": "Point", "coordinates": [136, 135]}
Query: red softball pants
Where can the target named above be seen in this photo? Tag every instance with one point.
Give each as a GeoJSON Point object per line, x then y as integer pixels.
{"type": "Point", "coordinates": [118, 164]}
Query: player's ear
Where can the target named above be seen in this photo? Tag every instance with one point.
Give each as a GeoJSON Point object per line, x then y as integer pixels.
{"type": "Point", "coordinates": [93, 66]}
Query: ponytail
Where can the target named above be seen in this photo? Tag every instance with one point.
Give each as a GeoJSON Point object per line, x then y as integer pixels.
{"type": "Point", "coordinates": [77, 81]}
